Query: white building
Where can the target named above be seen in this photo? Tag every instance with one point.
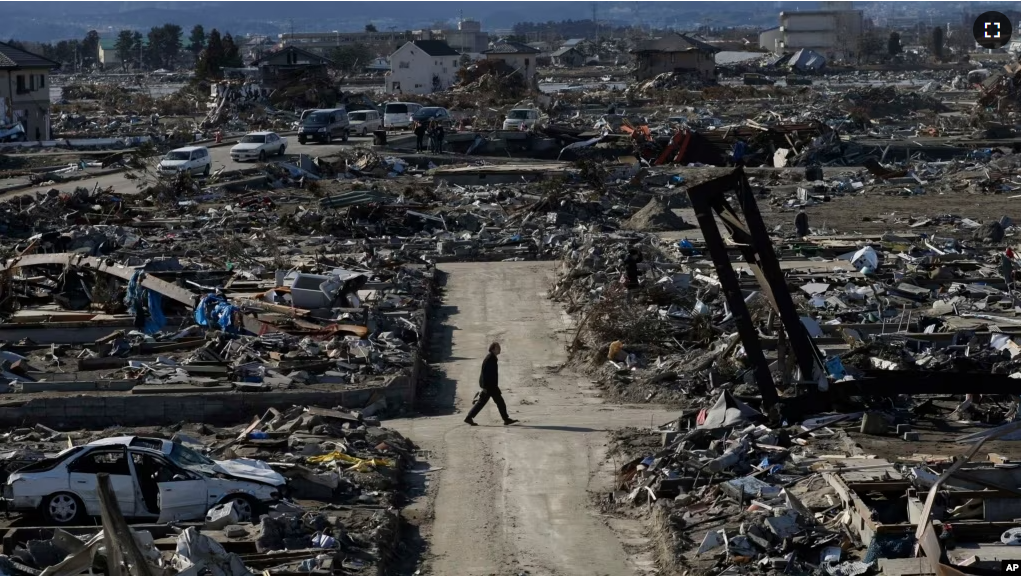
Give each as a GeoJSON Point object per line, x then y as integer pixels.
{"type": "Point", "coordinates": [770, 39]}
{"type": "Point", "coordinates": [468, 37]}
{"type": "Point", "coordinates": [836, 34]}
{"type": "Point", "coordinates": [422, 67]}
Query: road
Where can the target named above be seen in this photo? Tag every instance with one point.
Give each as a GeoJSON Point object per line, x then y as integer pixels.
{"type": "Point", "coordinates": [220, 157]}
{"type": "Point", "coordinates": [503, 500]}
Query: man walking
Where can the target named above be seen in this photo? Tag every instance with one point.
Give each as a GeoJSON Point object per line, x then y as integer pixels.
{"type": "Point", "coordinates": [489, 381]}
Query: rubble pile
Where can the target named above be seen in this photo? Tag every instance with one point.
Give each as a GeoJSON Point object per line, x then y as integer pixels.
{"type": "Point", "coordinates": [657, 217]}
{"type": "Point", "coordinates": [888, 100]}
{"type": "Point", "coordinates": [824, 477]}
{"type": "Point", "coordinates": [335, 476]}
{"type": "Point", "coordinates": [729, 488]}
{"type": "Point", "coordinates": [484, 84]}
{"type": "Point", "coordinates": [1002, 90]}
{"type": "Point", "coordinates": [666, 81]}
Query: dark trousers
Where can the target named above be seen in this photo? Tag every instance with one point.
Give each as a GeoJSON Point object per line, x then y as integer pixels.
{"type": "Point", "coordinates": [484, 397]}
{"type": "Point", "coordinates": [420, 146]}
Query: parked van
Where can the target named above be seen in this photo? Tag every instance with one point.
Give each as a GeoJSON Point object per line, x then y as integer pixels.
{"type": "Point", "coordinates": [324, 125]}
{"type": "Point", "coordinates": [522, 119]}
{"type": "Point", "coordinates": [364, 122]}
{"type": "Point", "coordinates": [399, 114]}
{"type": "Point", "coordinates": [192, 159]}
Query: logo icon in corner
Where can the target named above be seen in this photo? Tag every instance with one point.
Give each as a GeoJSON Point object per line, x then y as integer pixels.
{"type": "Point", "coordinates": [992, 30]}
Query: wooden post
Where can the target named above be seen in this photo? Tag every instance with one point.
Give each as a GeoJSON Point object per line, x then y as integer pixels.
{"type": "Point", "coordinates": [121, 548]}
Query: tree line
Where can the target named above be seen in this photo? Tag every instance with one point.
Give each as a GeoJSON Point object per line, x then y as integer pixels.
{"type": "Point", "coordinates": [162, 47]}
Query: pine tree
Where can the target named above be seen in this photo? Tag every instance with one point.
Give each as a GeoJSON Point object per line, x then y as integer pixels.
{"type": "Point", "coordinates": [231, 53]}
{"type": "Point", "coordinates": [210, 63]}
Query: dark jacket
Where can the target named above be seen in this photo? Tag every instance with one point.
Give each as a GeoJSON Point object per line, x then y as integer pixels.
{"type": "Point", "coordinates": [631, 262]}
{"type": "Point", "coordinates": [801, 222]}
{"type": "Point", "coordinates": [489, 379]}
{"type": "Point", "coordinates": [420, 129]}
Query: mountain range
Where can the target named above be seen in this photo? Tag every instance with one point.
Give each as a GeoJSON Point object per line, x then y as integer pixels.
{"type": "Point", "coordinates": [49, 21]}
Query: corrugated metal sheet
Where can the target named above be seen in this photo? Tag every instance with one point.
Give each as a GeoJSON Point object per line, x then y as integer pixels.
{"type": "Point", "coordinates": [353, 198]}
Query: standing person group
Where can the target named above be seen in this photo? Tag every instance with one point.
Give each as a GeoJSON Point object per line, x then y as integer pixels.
{"type": "Point", "coordinates": [434, 130]}
{"type": "Point", "coordinates": [437, 133]}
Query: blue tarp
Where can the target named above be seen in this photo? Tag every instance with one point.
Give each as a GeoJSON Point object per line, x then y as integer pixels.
{"type": "Point", "coordinates": [136, 299]}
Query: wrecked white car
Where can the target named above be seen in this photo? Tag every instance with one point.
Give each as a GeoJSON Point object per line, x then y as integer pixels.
{"type": "Point", "coordinates": [152, 478]}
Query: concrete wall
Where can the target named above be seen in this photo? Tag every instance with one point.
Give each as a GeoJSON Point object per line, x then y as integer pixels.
{"type": "Point", "coordinates": [820, 41]}
{"type": "Point", "coordinates": [796, 22]}
{"type": "Point", "coordinates": [83, 411]}
{"type": "Point", "coordinates": [770, 39]}
{"type": "Point", "coordinates": [467, 40]}
{"type": "Point", "coordinates": [834, 34]}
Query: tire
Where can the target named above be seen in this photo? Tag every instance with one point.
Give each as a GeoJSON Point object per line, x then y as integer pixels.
{"type": "Point", "coordinates": [281, 151]}
{"type": "Point", "coordinates": [207, 170]}
{"type": "Point", "coordinates": [247, 508]}
{"type": "Point", "coordinates": [364, 132]}
{"type": "Point", "coordinates": [344, 135]}
{"type": "Point", "coordinates": [329, 137]}
{"type": "Point", "coordinates": [63, 509]}
{"type": "Point", "coordinates": [262, 155]}
{"type": "Point", "coordinates": [302, 140]}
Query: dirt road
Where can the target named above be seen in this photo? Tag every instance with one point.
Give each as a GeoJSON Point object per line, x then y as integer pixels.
{"type": "Point", "coordinates": [220, 157]}
{"type": "Point", "coordinates": [502, 500]}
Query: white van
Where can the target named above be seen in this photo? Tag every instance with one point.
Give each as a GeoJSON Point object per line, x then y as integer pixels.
{"type": "Point", "coordinates": [522, 119]}
{"type": "Point", "coordinates": [364, 122]}
{"type": "Point", "coordinates": [398, 114]}
{"type": "Point", "coordinates": [193, 159]}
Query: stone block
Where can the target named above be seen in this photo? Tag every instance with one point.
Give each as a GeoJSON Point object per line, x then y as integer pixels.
{"type": "Point", "coordinates": [873, 423]}
{"type": "Point", "coordinates": [911, 436]}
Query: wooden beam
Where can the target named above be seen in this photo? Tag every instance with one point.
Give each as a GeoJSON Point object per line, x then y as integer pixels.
{"type": "Point", "coordinates": [120, 543]}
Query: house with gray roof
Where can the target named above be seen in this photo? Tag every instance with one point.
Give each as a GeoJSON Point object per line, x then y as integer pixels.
{"type": "Point", "coordinates": [25, 92]}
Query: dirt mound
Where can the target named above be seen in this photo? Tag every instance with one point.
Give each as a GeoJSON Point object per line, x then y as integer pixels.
{"type": "Point", "coordinates": [656, 217]}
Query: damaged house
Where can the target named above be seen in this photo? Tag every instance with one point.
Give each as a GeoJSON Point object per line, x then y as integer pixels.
{"type": "Point", "coordinates": [677, 53]}
{"type": "Point", "coordinates": [521, 57]}
{"type": "Point", "coordinates": [24, 93]}
{"type": "Point", "coordinates": [569, 56]}
{"type": "Point", "coordinates": [289, 64]}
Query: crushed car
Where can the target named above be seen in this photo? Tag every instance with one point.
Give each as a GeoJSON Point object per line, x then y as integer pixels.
{"type": "Point", "coordinates": [152, 478]}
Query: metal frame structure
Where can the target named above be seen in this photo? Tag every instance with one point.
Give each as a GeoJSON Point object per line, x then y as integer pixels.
{"type": "Point", "coordinates": [752, 239]}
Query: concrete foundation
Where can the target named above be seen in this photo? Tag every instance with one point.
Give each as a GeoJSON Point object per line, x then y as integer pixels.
{"type": "Point", "coordinates": [101, 411]}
